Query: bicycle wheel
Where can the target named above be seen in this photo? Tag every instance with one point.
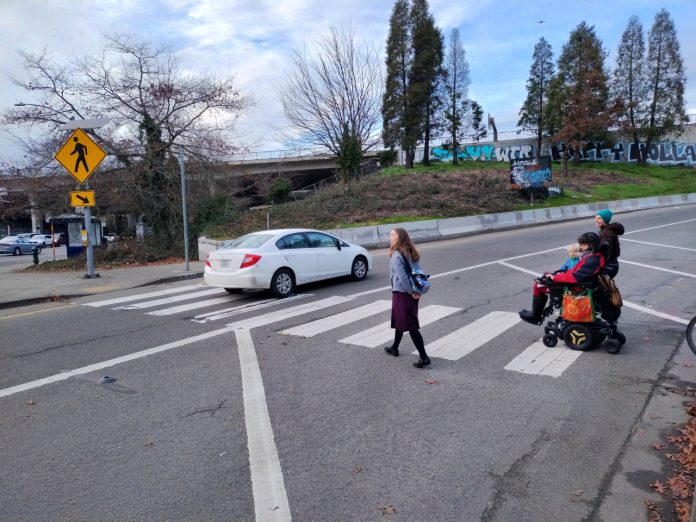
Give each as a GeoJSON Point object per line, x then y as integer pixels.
{"type": "Point", "coordinates": [691, 334]}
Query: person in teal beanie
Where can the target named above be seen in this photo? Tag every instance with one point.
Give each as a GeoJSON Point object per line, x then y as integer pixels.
{"type": "Point", "coordinates": [609, 241]}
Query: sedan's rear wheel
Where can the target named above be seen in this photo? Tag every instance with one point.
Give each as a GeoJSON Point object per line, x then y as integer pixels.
{"type": "Point", "coordinates": [16, 251]}
{"type": "Point", "coordinates": [359, 269]}
{"type": "Point", "coordinates": [282, 283]}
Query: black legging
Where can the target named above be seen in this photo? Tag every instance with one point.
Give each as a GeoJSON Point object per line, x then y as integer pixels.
{"type": "Point", "coordinates": [417, 339]}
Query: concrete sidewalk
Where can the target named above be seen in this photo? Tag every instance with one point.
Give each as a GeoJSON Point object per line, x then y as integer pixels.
{"type": "Point", "coordinates": [22, 287]}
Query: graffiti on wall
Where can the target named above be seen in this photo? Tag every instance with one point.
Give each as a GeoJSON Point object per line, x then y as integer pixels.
{"type": "Point", "coordinates": [530, 172]}
{"type": "Point", "coordinates": [661, 153]}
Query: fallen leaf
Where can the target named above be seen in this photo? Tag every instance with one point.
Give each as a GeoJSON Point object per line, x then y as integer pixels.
{"type": "Point", "coordinates": [688, 365]}
{"type": "Point", "coordinates": [149, 443]}
{"type": "Point", "coordinates": [658, 486]}
{"type": "Point", "coordinates": [387, 510]}
{"type": "Point", "coordinates": [577, 493]}
{"type": "Point", "coordinates": [680, 487]}
{"type": "Point", "coordinates": [432, 381]}
{"type": "Point", "coordinates": [30, 403]}
{"type": "Point", "coordinates": [658, 445]}
{"type": "Point", "coordinates": [357, 470]}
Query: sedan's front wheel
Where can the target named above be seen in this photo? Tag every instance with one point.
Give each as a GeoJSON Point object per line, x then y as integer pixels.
{"type": "Point", "coordinates": [16, 252]}
{"type": "Point", "coordinates": [282, 283]}
{"type": "Point", "coordinates": [359, 269]}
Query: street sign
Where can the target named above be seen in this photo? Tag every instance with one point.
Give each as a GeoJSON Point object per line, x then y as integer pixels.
{"type": "Point", "coordinates": [80, 155]}
{"type": "Point", "coordinates": [82, 198]}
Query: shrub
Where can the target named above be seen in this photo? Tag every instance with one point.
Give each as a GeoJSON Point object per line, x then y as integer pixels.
{"type": "Point", "coordinates": [280, 188]}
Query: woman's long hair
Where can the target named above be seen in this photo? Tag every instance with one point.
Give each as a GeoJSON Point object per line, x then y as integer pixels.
{"type": "Point", "coordinates": [404, 245]}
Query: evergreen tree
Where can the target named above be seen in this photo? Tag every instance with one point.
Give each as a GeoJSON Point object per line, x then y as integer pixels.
{"type": "Point", "coordinates": [456, 91]}
{"type": "Point", "coordinates": [628, 86]}
{"type": "Point", "coordinates": [666, 81]}
{"type": "Point", "coordinates": [581, 93]}
{"type": "Point", "coordinates": [424, 77]}
{"type": "Point", "coordinates": [398, 62]}
{"type": "Point", "coordinates": [540, 74]}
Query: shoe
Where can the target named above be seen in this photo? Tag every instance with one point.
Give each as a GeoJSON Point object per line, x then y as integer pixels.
{"type": "Point", "coordinates": [421, 363]}
{"type": "Point", "coordinates": [530, 317]}
{"type": "Point", "coordinates": [392, 351]}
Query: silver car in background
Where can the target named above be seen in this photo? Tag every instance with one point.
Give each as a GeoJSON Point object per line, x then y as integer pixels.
{"type": "Point", "coordinates": [17, 245]}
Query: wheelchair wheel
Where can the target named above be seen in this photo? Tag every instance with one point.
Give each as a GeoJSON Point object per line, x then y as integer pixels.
{"type": "Point", "coordinates": [577, 336]}
{"type": "Point", "coordinates": [613, 346]}
{"type": "Point", "coordinates": [691, 334]}
{"type": "Point", "coordinates": [598, 339]}
{"type": "Point", "coordinates": [550, 340]}
{"type": "Point", "coordinates": [620, 337]}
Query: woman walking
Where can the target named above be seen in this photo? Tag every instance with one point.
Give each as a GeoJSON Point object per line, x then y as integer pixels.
{"type": "Point", "coordinates": [404, 317]}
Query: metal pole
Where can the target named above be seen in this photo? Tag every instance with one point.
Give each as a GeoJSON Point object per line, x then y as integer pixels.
{"type": "Point", "coordinates": [183, 204]}
{"type": "Point", "coordinates": [90, 254]}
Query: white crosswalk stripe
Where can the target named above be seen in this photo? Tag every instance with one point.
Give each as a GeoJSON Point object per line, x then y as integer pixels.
{"type": "Point", "coordinates": [194, 306]}
{"type": "Point", "coordinates": [280, 315]}
{"type": "Point", "coordinates": [245, 308]}
{"type": "Point", "coordinates": [373, 337]}
{"type": "Point", "coordinates": [137, 297]}
{"type": "Point", "coordinates": [538, 359]}
{"type": "Point", "coordinates": [168, 300]}
{"type": "Point", "coordinates": [467, 339]}
{"type": "Point", "coordinates": [341, 319]}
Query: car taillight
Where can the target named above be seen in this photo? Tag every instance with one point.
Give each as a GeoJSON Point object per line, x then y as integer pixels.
{"type": "Point", "coordinates": [249, 260]}
{"type": "Point", "coordinates": [207, 261]}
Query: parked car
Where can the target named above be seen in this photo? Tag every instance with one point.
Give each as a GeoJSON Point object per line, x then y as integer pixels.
{"type": "Point", "coordinates": [280, 260]}
{"type": "Point", "coordinates": [111, 237]}
{"type": "Point", "coordinates": [16, 245]}
{"type": "Point", "coordinates": [43, 239]}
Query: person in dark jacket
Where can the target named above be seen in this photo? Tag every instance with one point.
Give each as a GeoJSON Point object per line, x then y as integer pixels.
{"type": "Point", "coordinates": [404, 316]}
{"type": "Point", "coordinates": [609, 241]}
{"type": "Point", "coordinates": [585, 271]}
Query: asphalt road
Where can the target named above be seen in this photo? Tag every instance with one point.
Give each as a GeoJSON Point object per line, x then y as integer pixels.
{"type": "Point", "coordinates": [250, 408]}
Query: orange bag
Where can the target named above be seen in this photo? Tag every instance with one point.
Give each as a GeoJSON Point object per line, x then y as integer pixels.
{"type": "Point", "coordinates": [578, 308]}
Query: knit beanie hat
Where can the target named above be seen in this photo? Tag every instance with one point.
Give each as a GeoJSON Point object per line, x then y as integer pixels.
{"type": "Point", "coordinates": [605, 215]}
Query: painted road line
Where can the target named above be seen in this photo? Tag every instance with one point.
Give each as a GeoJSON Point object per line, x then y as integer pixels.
{"type": "Point", "coordinates": [656, 313]}
{"type": "Point", "coordinates": [193, 306]}
{"type": "Point", "coordinates": [245, 308]}
{"type": "Point", "coordinates": [660, 226]}
{"type": "Point", "coordinates": [658, 245]}
{"type": "Point", "coordinates": [653, 267]}
{"type": "Point", "coordinates": [168, 300]}
{"type": "Point", "coordinates": [137, 297]}
{"type": "Point", "coordinates": [538, 359]}
{"type": "Point", "coordinates": [280, 315]}
{"type": "Point", "coordinates": [270, 497]}
{"type": "Point", "coordinates": [111, 362]}
{"type": "Point", "coordinates": [519, 268]}
{"type": "Point", "coordinates": [338, 320]}
{"type": "Point", "coordinates": [373, 337]}
{"type": "Point", "coordinates": [462, 342]}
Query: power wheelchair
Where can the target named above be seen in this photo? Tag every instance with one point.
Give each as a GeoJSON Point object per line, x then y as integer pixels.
{"type": "Point", "coordinates": [576, 335]}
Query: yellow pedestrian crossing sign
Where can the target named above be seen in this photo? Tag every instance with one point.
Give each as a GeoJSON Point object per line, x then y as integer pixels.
{"type": "Point", "coordinates": [82, 198]}
{"type": "Point", "coordinates": [80, 155]}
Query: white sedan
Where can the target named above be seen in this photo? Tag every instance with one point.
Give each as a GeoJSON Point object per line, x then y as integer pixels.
{"type": "Point", "coordinates": [282, 259]}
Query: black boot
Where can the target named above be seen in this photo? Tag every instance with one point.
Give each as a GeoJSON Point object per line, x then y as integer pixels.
{"type": "Point", "coordinates": [536, 315]}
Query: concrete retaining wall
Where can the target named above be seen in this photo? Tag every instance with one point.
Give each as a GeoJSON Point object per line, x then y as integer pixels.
{"type": "Point", "coordinates": [436, 229]}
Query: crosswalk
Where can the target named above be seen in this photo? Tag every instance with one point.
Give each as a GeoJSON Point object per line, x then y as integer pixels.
{"type": "Point", "coordinates": [257, 310]}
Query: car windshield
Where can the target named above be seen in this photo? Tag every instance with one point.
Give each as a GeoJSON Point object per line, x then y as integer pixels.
{"type": "Point", "coordinates": [248, 241]}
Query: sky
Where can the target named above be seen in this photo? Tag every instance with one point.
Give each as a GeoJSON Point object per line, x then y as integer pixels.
{"type": "Point", "coordinates": [254, 42]}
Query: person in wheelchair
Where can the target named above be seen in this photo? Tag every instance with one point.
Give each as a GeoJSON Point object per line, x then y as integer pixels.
{"type": "Point", "coordinates": [585, 273]}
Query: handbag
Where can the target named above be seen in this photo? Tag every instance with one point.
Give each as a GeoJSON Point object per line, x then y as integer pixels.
{"type": "Point", "coordinates": [578, 308]}
{"type": "Point", "coordinates": [419, 279]}
{"type": "Point", "coordinates": [609, 286]}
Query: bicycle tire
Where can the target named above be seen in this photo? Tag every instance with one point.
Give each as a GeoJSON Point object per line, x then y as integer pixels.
{"type": "Point", "coordinates": [691, 334]}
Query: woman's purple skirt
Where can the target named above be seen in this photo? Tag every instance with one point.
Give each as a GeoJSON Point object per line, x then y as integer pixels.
{"type": "Point", "coordinates": [404, 315]}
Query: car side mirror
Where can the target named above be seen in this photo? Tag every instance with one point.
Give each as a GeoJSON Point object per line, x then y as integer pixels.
{"type": "Point", "coordinates": [338, 243]}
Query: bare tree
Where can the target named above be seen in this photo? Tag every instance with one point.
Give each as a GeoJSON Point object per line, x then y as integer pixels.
{"type": "Point", "coordinates": [151, 105]}
{"type": "Point", "coordinates": [334, 95]}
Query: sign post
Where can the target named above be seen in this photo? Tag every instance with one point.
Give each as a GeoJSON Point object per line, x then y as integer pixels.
{"type": "Point", "coordinates": [80, 156]}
